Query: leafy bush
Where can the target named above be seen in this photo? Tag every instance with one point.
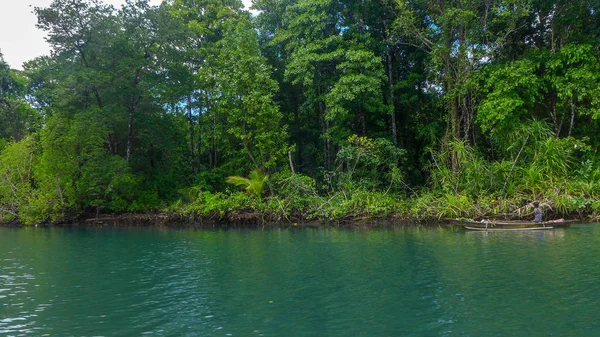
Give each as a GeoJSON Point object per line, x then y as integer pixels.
{"type": "Point", "coordinates": [209, 180]}
{"type": "Point", "coordinates": [297, 191]}
{"type": "Point", "coordinates": [16, 178]}
{"type": "Point", "coordinates": [219, 203]}
{"type": "Point", "coordinates": [446, 206]}
{"type": "Point", "coordinates": [366, 163]}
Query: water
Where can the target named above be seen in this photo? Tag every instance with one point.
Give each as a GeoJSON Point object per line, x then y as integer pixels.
{"type": "Point", "coordinates": [404, 282]}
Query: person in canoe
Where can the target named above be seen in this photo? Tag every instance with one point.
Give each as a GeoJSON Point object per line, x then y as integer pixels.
{"type": "Point", "coordinates": [537, 213]}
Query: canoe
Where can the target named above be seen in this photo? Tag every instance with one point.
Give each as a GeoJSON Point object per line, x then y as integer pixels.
{"type": "Point", "coordinates": [518, 224]}
{"type": "Point", "coordinates": [508, 229]}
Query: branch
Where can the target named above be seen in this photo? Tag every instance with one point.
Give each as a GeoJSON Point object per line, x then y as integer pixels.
{"type": "Point", "coordinates": [514, 163]}
{"type": "Point", "coordinates": [9, 212]}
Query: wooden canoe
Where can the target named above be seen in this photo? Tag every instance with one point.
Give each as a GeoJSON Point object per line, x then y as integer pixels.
{"type": "Point", "coordinates": [507, 229]}
{"type": "Point", "coordinates": [518, 224]}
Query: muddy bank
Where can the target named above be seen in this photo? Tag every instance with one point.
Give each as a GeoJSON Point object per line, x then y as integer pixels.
{"type": "Point", "coordinates": [236, 220]}
{"type": "Point", "coordinates": [244, 220]}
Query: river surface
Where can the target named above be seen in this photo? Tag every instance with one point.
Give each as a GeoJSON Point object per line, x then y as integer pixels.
{"type": "Point", "coordinates": [309, 282]}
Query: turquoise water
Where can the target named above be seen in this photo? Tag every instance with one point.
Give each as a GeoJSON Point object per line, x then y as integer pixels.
{"type": "Point", "coordinates": [403, 282]}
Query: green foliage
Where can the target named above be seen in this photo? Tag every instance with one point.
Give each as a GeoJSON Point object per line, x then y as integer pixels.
{"type": "Point", "coordinates": [513, 88]}
{"type": "Point", "coordinates": [552, 85]}
{"type": "Point", "coordinates": [368, 163]}
{"type": "Point", "coordinates": [446, 206]}
{"type": "Point", "coordinates": [17, 116]}
{"type": "Point", "coordinates": [244, 96]}
{"type": "Point", "coordinates": [16, 179]}
{"type": "Point", "coordinates": [358, 89]}
{"type": "Point", "coordinates": [431, 109]}
{"type": "Point", "coordinates": [209, 180]}
{"type": "Point", "coordinates": [368, 203]}
{"type": "Point", "coordinates": [298, 192]}
{"type": "Point", "coordinates": [473, 175]}
{"type": "Point", "coordinates": [74, 170]}
{"type": "Point", "coordinates": [355, 204]}
{"type": "Point", "coordinates": [254, 184]}
{"type": "Point", "coordinates": [219, 204]}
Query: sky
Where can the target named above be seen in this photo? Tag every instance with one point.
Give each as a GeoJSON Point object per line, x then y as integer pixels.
{"type": "Point", "coordinates": [20, 40]}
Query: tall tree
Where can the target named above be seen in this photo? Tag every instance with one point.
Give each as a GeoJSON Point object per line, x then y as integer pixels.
{"type": "Point", "coordinates": [460, 36]}
{"type": "Point", "coordinates": [244, 95]}
{"type": "Point", "coordinates": [17, 116]}
{"type": "Point", "coordinates": [333, 56]}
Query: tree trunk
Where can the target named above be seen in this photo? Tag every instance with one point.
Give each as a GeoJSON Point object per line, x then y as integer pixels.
{"type": "Point", "coordinates": [251, 156]}
{"type": "Point", "coordinates": [299, 141]}
{"type": "Point", "coordinates": [454, 113]}
{"type": "Point", "coordinates": [554, 116]}
{"type": "Point", "coordinates": [129, 137]}
{"type": "Point", "coordinates": [212, 155]}
{"type": "Point", "coordinates": [326, 145]}
{"type": "Point", "coordinates": [191, 130]}
{"type": "Point", "coordinates": [391, 92]}
{"type": "Point", "coordinates": [572, 117]}
{"type": "Point", "coordinates": [291, 163]}
{"type": "Point", "coordinates": [135, 99]}
{"type": "Point", "coordinates": [363, 123]}
{"type": "Point", "coordinates": [199, 146]}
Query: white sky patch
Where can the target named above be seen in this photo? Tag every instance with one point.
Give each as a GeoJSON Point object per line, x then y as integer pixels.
{"type": "Point", "coordinates": [20, 40]}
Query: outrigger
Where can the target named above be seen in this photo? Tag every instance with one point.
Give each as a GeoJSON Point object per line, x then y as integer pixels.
{"type": "Point", "coordinates": [516, 225]}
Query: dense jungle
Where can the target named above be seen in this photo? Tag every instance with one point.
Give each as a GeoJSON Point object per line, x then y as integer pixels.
{"type": "Point", "coordinates": [300, 110]}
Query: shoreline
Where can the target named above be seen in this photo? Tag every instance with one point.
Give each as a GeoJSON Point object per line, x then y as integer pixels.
{"type": "Point", "coordinates": [243, 220]}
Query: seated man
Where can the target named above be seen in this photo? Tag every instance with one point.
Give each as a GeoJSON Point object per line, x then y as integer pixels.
{"type": "Point", "coordinates": [537, 212]}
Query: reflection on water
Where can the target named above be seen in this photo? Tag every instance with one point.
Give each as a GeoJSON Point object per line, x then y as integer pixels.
{"type": "Point", "coordinates": [402, 282]}
{"type": "Point", "coordinates": [557, 233]}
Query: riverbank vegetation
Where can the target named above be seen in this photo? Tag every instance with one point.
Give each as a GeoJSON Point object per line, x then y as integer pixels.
{"type": "Point", "coordinates": [305, 109]}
